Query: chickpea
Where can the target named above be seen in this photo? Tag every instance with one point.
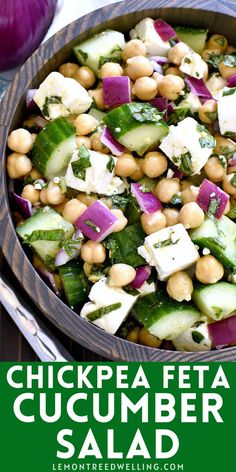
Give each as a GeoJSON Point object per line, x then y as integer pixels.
{"type": "Point", "coordinates": [44, 197]}
{"type": "Point", "coordinates": [111, 69]}
{"type": "Point", "coordinates": [121, 275]}
{"type": "Point", "coordinates": [227, 185]}
{"type": "Point", "coordinates": [207, 53]}
{"type": "Point", "coordinates": [97, 96]}
{"type": "Point", "coordinates": [59, 208]}
{"type": "Point", "coordinates": [133, 335]}
{"type": "Point", "coordinates": [173, 71]}
{"type": "Point", "coordinates": [153, 222]}
{"type": "Point", "coordinates": [172, 216]}
{"type": "Point", "coordinates": [157, 77]}
{"type": "Point", "coordinates": [180, 286]}
{"type": "Point", "coordinates": [97, 144]}
{"type": "Point", "coordinates": [138, 66]}
{"type": "Point", "coordinates": [18, 165]}
{"type": "Point", "coordinates": [20, 140]}
{"type": "Point", "coordinates": [231, 169]}
{"type": "Point", "coordinates": [53, 194]}
{"type": "Point", "coordinates": [87, 268]}
{"type": "Point", "coordinates": [190, 194]}
{"type": "Point", "coordinates": [134, 48]}
{"type": "Point", "coordinates": [31, 194]}
{"type": "Point", "coordinates": [171, 86]}
{"type": "Point", "coordinates": [68, 69]}
{"type": "Point", "coordinates": [35, 174]}
{"type": "Point", "coordinates": [185, 184]}
{"type": "Point", "coordinates": [166, 189]}
{"type": "Point", "coordinates": [122, 220]}
{"type": "Point", "coordinates": [80, 140]}
{"type": "Point", "coordinates": [145, 88]}
{"type": "Point", "coordinates": [85, 77]}
{"type": "Point", "coordinates": [138, 174]}
{"type": "Point", "coordinates": [126, 165]}
{"type": "Point", "coordinates": [93, 252]}
{"type": "Point", "coordinates": [86, 199]}
{"type": "Point", "coordinates": [154, 164]}
{"type": "Point", "coordinates": [214, 169]}
{"type": "Point", "coordinates": [208, 111]}
{"type": "Point", "coordinates": [85, 124]}
{"type": "Point", "coordinates": [191, 215]}
{"type": "Point", "coordinates": [205, 71]}
{"type": "Point", "coordinates": [226, 71]}
{"type": "Point", "coordinates": [73, 209]}
{"type": "Point", "coordinates": [217, 41]}
{"type": "Point", "coordinates": [148, 339]}
{"type": "Point", "coordinates": [224, 145]}
{"type": "Point", "coordinates": [177, 53]}
{"type": "Point", "coordinates": [209, 270]}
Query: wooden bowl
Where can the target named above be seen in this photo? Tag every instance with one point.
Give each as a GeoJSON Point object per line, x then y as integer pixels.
{"type": "Point", "coordinates": [219, 17]}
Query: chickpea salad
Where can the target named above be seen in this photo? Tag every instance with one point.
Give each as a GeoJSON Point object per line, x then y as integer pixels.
{"type": "Point", "coordinates": [123, 184]}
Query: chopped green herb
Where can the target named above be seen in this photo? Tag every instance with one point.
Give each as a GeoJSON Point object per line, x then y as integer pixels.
{"type": "Point", "coordinates": [93, 226]}
{"type": "Point", "coordinates": [229, 60]}
{"type": "Point", "coordinates": [197, 74]}
{"type": "Point", "coordinates": [214, 59]}
{"type": "Point", "coordinates": [119, 202]}
{"type": "Point", "coordinates": [230, 91]}
{"type": "Point", "coordinates": [232, 213]}
{"type": "Point", "coordinates": [218, 311]}
{"type": "Point", "coordinates": [144, 112]}
{"type": "Point", "coordinates": [70, 245]}
{"type": "Point", "coordinates": [222, 160]}
{"type": "Point", "coordinates": [130, 290]}
{"type": "Point", "coordinates": [213, 206]}
{"type": "Point", "coordinates": [197, 337]}
{"type": "Point", "coordinates": [96, 314]}
{"type": "Point", "coordinates": [83, 54]}
{"type": "Point", "coordinates": [45, 235]}
{"type": "Point", "coordinates": [212, 115]}
{"type": "Point", "coordinates": [145, 188]}
{"type": "Point", "coordinates": [207, 142]}
{"type": "Point", "coordinates": [178, 115]}
{"type": "Point", "coordinates": [111, 164]}
{"type": "Point", "coordinates": [79, 167]}
{"type": "Point", "coordinates": [233, 180]}
{"type": "Point", "coordinates": [28, 180]}
{"type": "Point", "coordinates": [187, 60]}
{"type": "Point", "coordinates": [176, 200]}
{"type": "Point", "coordinates": [226, 151]}
{"type": "Point", "coordinates": [186, 164]}
{"type": "Point", "coordinates": [220, 41]}
{"type": "Point", "coordinates": [50, 101]}
{"type": "Point", "coordinates": [165, 243]}
{"type": "Point", "coordinates": [50, 261]}
{"type": "Point", "coordinates": [116, 49]}
{"type": "Point", "coordinates": [104, 60]}
{"type": "Point", "coordinates": [126, 327]}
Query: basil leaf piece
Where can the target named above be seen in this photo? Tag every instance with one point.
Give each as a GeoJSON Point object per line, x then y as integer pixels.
{"type": "Point", "coordinates": [45, 235]}
{"type": "Point", "coordinates": [50, 101]}
{"type": "Point", "coordinates": [79, 167]}
{"type": "Point", "coordinates": [229, 60]}
{"type": "Point", "coordinates": [197, 337]}
{"type": "Point", "coordinates": [230, 91]}
{"type": "Point", "coordinates": [213, 206]}
{"type": "Point", "coordinates": [165, 243]}
{"type": "Point", "coordinates": [233, 180]}
{"type": "Point", "coordinates": [83, 54]}
{"type": "Point", "coordinates": [111, 164]}
{"type": "Point", "coordinates": [93, 226]}
{"type": "Point", "coordinates": [104, 310]}
{"type": "Point", "coordinates": [186, 164]}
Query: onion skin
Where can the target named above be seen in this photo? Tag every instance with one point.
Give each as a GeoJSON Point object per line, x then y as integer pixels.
{"type": "Point", "coordinates": [23, 24]}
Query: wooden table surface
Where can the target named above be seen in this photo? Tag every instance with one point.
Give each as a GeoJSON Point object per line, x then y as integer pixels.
{"type": "Point", "coordinates": [14, 347]}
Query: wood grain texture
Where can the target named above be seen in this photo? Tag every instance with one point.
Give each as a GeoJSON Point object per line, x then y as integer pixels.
{"type": "Point", "coordinates": [218, 17]}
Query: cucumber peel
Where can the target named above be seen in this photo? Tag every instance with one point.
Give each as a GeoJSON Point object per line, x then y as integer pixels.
{"type": "Point", "coordinates": [217, 300]}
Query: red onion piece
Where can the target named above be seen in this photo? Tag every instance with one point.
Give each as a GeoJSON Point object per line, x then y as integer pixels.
{"type": "Point", "coordinates": [164, 30]}
{"type": "Point", "coordinates": [23, 26]}
{"type": "Point", "coordinates": [232, 161]}
{"type": "Point", "coordinates": [147, 201]}
{"type": "Point", "coordinates": [116, 90]}
{"type": "Point", "coordinates": [107, 139]}
{"type": "Point", "coordinates": [223, 332]}
{"type": "Point", "coordinates": [40, 122]}
{"type": "Point", "coordinates": [96, 222]}
{"type": "Point", "coordinates": [159, 59]}
{"type": "Point", "coordinates": [209, 193]}
{"type": "Point", "coordinates": [231, 81]}
{"type": "Point", "coordinates": [198, 87]}
{"type": "Point", "coordinates": [156, 67]}
{"type": "Point", "coordinates": [49, 279]}
{"type": "Point", "coordinates": [30, 103]}
{"type": "Point", "coordinates": [23, 205]}
{"type": "Point", "coordinates": [177, 173]}
{"type": "Point", "coordinates": [160, 103]}
{"type": "Point", "coordinates": [142, 274]}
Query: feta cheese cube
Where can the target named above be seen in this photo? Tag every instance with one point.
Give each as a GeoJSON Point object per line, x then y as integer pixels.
{"type": "Point", "coordinates": [146, 289]}
{"type": "Point", "coordinates": [193, 65]}
{"type": "Point", "coordinates": [227, 111]}
{"type": "Point", "coordinates": [215, 84]}
{"type": "Point", "coordinates": [98, 178]}
{"type": "Point", "coordinates": [195, 339]}
{"type": "Point", "coordinates": [145, 31]}
{"type": "Point", "coordinates": [169, 250]}
{"type": "Point", "coordinates": [102, 295]}
{"type": "Point", "coordinates": [188, 145]}
{"type": "Point", "coordinates": [61, 96]}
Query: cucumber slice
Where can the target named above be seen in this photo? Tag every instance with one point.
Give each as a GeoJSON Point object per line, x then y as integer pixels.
{"type": "Point", "coordinates": [46, 219]}
{"type": "Point", "coordinates": [216, 301]}
{"type": "Point", "coordinates": [163, 317]}
{"type": "Point", "coordinates": [219, 237]}
{"type": "Point", "coordinates": [75, 283]}
{"type": "Point", "coordinates": [194, 37]}
{"type": "Point", "coordinates": [124, 244]}
{"type": "Point", "coordinates": [97, 114]}
{"type": "Point", "coordinates": [136, 125]}
{"type": "Point", "coordinates": [103, 47]}
{"type": "Point", "coordinates": [53, 148]}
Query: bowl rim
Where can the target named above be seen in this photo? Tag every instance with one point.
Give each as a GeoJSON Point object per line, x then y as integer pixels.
{"type": "Point", "coordinates": [86, 334]}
